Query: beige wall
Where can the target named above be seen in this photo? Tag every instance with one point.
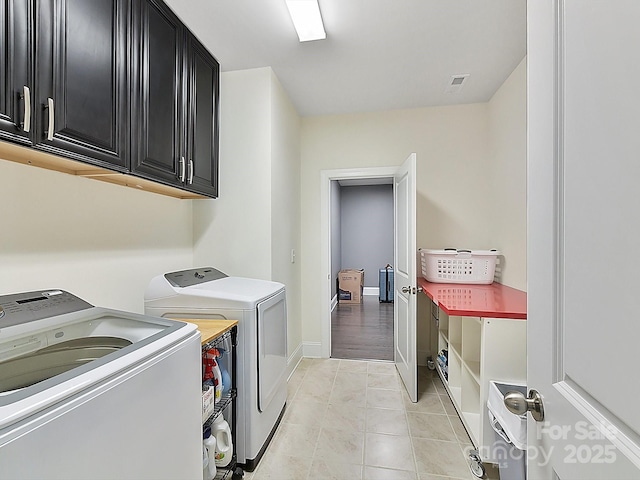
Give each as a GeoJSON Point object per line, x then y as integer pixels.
{"type": "Point", "coordinates": [451, 144]}
{"type": "Point", "coordinates": [233, 232]}
{"type": "Point", "coordinates": [99, 241]}
{"type": "Point", "coordinates": [252, 228]}
{"type": "Point", "coordinates": [459, 150]}
{"type": "Point", "coordinates": [285, 209]}
{"type": "Point", "coordinates": [508, 135]}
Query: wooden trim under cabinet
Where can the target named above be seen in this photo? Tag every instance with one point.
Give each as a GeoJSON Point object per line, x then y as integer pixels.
{"type": "Point", "coordinates": [35, 158]}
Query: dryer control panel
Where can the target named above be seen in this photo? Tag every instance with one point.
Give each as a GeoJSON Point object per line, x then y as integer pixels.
{"type": "Point", "coordinates": [25, 307]}
{"type": "Point", "coordinates": [195, 276]}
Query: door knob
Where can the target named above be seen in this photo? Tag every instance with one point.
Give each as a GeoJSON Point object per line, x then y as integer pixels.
{"type": "Point", "coordinates": [517, 403]}
{"type": "Point", "coordinates": [409, 289]}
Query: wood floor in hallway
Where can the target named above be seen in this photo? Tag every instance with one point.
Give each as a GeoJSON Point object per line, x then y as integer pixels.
{"type": "Point", "coordinates": [362, 331]}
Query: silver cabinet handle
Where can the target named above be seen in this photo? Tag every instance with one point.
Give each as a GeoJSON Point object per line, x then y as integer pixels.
{"type": "Point", "coordinates": [190, 172]}
{"type": "Point", "coordinates": [51, 119]}
{"type": "Point", "coordinates": [26, 94]}
{"type": "Point", "coordinates": [182, 169]}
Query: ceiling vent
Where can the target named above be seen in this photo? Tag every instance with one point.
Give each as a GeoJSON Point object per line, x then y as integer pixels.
{"type": "Point", "coordinates": [456, 82]}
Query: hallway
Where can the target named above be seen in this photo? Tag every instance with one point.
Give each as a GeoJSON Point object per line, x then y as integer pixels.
{"type": "Point", "coordinates": [362, 331]}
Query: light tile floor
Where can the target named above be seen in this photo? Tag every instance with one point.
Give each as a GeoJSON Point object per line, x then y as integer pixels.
{"type": "Point", "coordinates": [352, 420]}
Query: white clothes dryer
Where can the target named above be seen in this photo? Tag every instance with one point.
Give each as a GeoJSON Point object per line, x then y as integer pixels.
{"type": "Point", "coordinates": [261, 311]}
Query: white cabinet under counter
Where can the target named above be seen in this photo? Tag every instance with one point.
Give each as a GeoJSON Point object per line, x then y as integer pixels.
{"type": "Point", "coordinates": [483, 330]}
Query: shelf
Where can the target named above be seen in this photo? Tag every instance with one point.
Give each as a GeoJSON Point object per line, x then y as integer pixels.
{"type": "Point", "coordinates": [471, 338]}
{"type": "Point", "coordinates": [479, 349]}
{"type": "Point", "coordinates": [221, 341]}
{"type": "Point", "coordinates": [220, 406]}
{"type": "Point", "coordinates": [456, 348]}
{"type": "Point", "coordinates": [472, 424]}
{"type": "Point", "coordinates": [454, 368]}
{"type": "Point", "coordinates": [471, 400]}
{"type": "Point", "coordinates": [222, 473]}
{"type": "Point", "coordinates": [489, 301]}
{"type": "Point", "coordinates": [455, 330]}
{"type": "Point", "coordinates": [474, 369]}
{"type": "Point", "coordinates": [222, 335]}
{"type": "Point", "coordinates": [456, 393]}
{"type": "Point", "coordinates": [471, 421]}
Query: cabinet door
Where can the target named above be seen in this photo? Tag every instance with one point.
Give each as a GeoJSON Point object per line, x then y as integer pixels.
{"type": "Point", "coordinates": [82, 59]}
{"type": "Point", "coordinates": [158, 109]}
{"type": "Point", "coordinates": [15, 64]}
{"type": "Point", "coordinates": [202, 145]}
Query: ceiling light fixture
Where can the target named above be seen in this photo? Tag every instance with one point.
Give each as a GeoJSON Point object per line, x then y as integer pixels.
{"type": "Point", "coordinates": [307, 19]}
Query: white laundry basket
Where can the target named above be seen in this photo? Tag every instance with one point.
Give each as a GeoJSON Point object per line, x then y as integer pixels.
{"type": "Point", "coordinates": [458, 266]}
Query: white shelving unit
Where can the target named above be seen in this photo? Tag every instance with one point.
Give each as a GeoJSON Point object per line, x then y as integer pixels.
{"type": "Point", "coordinates": [480, 350]}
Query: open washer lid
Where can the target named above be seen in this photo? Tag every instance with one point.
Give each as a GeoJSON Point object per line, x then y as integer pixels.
{"type": "Point", "coordinates": [53, 344]}
{"type": "Point", "coordinates": [206, 288]}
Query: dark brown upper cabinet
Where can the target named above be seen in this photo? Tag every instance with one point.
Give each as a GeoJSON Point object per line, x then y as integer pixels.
{"type": "Point", "coordinates": [158, 97]}
{"type": "Point", "coordinates": [82, 68]}
{"type": "Point", "coordinates": [175, 133]}
{"type": "Point", "coordinates": [203, 85]}
{"type": "Point", "coordinates": [16, 75]}
{"type": "Point", "coordinates": [118, 84]}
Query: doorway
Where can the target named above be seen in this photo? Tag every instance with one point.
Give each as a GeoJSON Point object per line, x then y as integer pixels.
{"type": "Point", "coordinates": [363, 331]}
{"type": "Point", "coordinates": [362, 239]}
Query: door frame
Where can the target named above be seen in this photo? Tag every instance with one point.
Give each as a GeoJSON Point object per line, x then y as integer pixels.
{"type": "Point", "coordinates": [326, 176]}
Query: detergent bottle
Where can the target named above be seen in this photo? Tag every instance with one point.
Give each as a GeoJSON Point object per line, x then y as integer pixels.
{"type": "Point", "coordinates": [224, 446]}
{"type": "Point", "coordinates": [209, 461]}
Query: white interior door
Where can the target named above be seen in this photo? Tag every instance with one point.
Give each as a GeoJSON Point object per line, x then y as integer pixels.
{"type": "Point", "coordinates": [405, 300]}
{"type": "Point", "coordinates": [583, 228]}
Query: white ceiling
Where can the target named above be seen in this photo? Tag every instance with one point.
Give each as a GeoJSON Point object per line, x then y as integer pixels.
{"type": "Point", "coordinates": [378, 55]}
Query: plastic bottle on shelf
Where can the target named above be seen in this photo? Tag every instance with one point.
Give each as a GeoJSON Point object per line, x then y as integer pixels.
{"type": "Point", "coordinates": [209, 445]}
{"type": "Point", "coordinates": [212, 374]}
{"type": "Point", "coordinates": [226, 378]}
{"type": "Point", "coordinates": [205, 461]}
{"type": "Point", "coordinates": [217, 375]}
{"type": "Point", "coordinates": [224, 447]}
{"type": "Point", "coordinates": [207, 374]}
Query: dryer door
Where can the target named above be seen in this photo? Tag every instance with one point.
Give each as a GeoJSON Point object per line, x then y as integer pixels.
{"type": "Point", "coordinates": [272, 348]}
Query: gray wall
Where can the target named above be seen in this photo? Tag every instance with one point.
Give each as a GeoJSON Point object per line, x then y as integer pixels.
{"type": "Point", "coordinates": [366, 224]}
{"type": "Point", "coordinates": [336, 234]}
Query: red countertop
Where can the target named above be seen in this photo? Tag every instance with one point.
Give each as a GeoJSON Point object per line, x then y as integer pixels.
{"type": "Point", "coordinates": [494, 300]}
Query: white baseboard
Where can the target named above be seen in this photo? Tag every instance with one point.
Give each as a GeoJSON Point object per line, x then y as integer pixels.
{"type": "Point", "coordinates": [293, 360]}
{"type": "Point", "coordinates": [312, 349]}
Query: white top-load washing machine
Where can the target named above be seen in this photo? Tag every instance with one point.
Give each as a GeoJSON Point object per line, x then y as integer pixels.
{"type": "Point", "coordinates": [89, 392]}
{"type": "Point", "coordinates": [261, 311]}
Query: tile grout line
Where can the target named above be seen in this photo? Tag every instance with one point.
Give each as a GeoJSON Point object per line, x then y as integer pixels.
{"type": "Point", "coordinates": [413, 450]}
{"type": "Point", "coordinates": [315, 448]}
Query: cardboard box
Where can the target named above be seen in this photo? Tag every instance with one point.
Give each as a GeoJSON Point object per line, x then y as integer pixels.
{"type": "Point", "coordinates": [350, 285]}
